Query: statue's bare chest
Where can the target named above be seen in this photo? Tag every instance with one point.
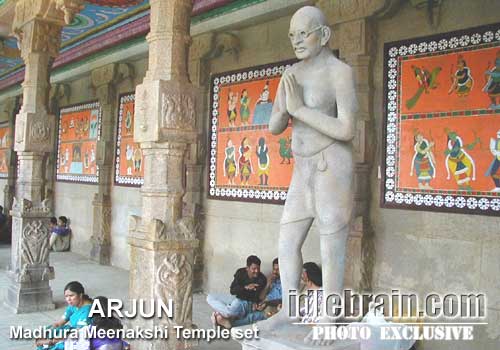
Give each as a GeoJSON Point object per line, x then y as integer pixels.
{"type": "Point", "coordinates": [318, 91]}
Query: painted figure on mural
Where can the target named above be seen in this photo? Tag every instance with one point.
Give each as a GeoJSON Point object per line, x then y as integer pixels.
{"type": "Point", "coordinates": [494, 169]}
{"type": "Point", "coordinates": [244, 107]}
{"type": "Point", "coordinates": [321, 189]}
{"type": "Point", "coordinates": [3, 162]}
{"type": "Point", "coordinates": [492, 87]}
{"type": "Point", "coordinates": [245, 161]}
{"type": "Point", "coordinates": [423, 161]}
{"type": "Point", "coordinates": [137, 158]}
{"type": "Point", "coordinates": [230, 165]}
{"type": "Point", "coordinates": [461, 80]}
{"type": "Point", "coordinates": [128, 123]}
{"type": "Point", "coordinates": [92, 160]}
{"type": "Point", "coordinates": [263, 107]}
{"type": "Point", "coordinates": [94, 127]}
{"type": "Point", "coordinates": [76, 161]}
{"type": "Point", "coordinates": [231, 108]}
{"type": "Point", "coordinates": [66, 160]}
{"type": "Point", "coordinates": [285, 150]}
{"type": "Point", "coordinates": [263, 161]}
{"type": "Point", "coordinates": [458, 162]}
{"type": "Point", "coordinates": [86, 160]}
{"type": "Point", "coordinates": [129, 155]}
{"type": "Point", "coordinates": [427, 80]}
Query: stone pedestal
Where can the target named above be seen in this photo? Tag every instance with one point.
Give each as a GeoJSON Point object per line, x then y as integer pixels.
{"type": "Point", "coordinates": [166, 272]}
{"type": "Point", "coordinates": [29, 270]}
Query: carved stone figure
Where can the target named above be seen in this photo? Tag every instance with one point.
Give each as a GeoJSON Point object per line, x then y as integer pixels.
{"type": "Point", "coordinates": [174, 280]}
{"type": "Point", "coordinates": [310, 93]}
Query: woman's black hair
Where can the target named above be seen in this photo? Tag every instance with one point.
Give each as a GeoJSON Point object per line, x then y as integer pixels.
{"type": "Point", "coordinates": [64, 219]}
{"type": "Point", "coordinates": [105, 322]}
{"type": "Point", "coordinates": [77, 287]}
{"type": "Point", "coordinates": [313, 272]}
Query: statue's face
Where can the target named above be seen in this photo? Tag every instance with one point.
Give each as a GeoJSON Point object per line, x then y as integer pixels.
{"type": "Point", "coordinates": [305, 36]}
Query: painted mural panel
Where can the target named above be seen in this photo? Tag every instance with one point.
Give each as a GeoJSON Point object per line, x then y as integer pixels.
{"type": "Point", "coordinates": [129, 160]}
{"type": "Point", "coordinates": [79, 131]}
{"type": "Point", "coordinates": [5, 146]}
{"type": "Point", "coordinates": [442, 122]}
{"type": "Point", "coordinates": [247, 162]}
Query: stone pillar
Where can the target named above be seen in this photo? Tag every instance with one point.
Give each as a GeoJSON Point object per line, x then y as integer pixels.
{"type": "Point", "coordinates": [37, 25]}
{"type": "Point", "coordinates": [163, 239]}
{"type": "Point", "coordinates": [9, 108]}
{"type": "Point", "coordinates": [104, 80]}
{"type": "Point", "coordinates": [353, 22]}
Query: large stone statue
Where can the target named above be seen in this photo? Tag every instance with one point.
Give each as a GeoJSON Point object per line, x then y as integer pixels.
{"type": "Point", "coordinates": [318, 95]}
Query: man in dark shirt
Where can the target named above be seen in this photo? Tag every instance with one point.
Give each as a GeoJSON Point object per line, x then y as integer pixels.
{"type": "Point", "coordinates": [245, 289]}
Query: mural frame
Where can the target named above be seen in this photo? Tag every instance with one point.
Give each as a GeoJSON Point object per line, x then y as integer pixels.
{"type": "Point", "coordinates": [242, 194]}
{"type": "Point", "coordinates": [124, 180]}
{"type": "Point", "coordinates": [392, 195]}
{"type": "Point", "coordinates": [73, 178]}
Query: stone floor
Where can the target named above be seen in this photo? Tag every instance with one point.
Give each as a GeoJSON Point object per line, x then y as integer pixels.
{"type": "Point", "coordinates": [98, 280]}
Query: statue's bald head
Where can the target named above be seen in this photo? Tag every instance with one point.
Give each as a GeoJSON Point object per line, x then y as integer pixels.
{"type": "Point", "coordinates": [313, 13]}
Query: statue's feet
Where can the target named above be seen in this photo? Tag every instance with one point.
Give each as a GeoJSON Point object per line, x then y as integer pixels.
{"type": "Point", "coordinates": [275, 322]}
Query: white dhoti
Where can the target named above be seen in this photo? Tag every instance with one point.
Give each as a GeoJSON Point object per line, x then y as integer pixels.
{"type": "Point", "coordinates": [322, 189]}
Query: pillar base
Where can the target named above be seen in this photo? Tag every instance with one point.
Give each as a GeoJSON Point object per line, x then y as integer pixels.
{"type": "Point", "coordinates": [24, 297]}
{"type": "Point", "coordinates": [101, 253]}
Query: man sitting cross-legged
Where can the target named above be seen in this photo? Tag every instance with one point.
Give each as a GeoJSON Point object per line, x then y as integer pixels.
{"type": "Point", "coordinates": [236, 309]}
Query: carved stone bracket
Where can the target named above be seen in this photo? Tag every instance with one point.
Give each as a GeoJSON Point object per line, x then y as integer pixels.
{"type": "Point", "coordinates": [165, 111]}
{"type": "Point", "coordinates": [174, 281]}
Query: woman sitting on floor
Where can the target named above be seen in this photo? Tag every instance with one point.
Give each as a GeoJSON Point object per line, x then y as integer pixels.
{"type": "Point", "coordinates": [75, 316]}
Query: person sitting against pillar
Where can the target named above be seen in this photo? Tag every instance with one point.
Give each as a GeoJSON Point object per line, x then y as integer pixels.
{"type": "Point", "coordinates": [75, 316]}
{"type": "Point", "coordinates": [312, 278]}
{"type": "Point", "coordinates": [246, 288]}
{"type": "Point", "coordinates": [59, 234]}
{"type": "Point", "coordinates": [271, 295]}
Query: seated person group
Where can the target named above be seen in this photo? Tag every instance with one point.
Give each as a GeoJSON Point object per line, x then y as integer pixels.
{"type": "Point", "coordinates": [77, 316]}
{"type": "Point", "coordinates": [59, 234]}
{"type": "Point", "coordinates": [254, 297]}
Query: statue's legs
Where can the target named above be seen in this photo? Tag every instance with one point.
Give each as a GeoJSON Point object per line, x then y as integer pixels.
{"type": "Point", "coordinates": [333, 250]}
{"type": "Point", "coordinates": [292, 236]}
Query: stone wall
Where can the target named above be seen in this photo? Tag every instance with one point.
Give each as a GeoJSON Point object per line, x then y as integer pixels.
{"type": "Point", "coordinates": [425, 251]}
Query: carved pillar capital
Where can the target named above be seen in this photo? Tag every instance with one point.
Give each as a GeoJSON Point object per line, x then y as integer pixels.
{"type": "Point", "coordinates": [58, 12]}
